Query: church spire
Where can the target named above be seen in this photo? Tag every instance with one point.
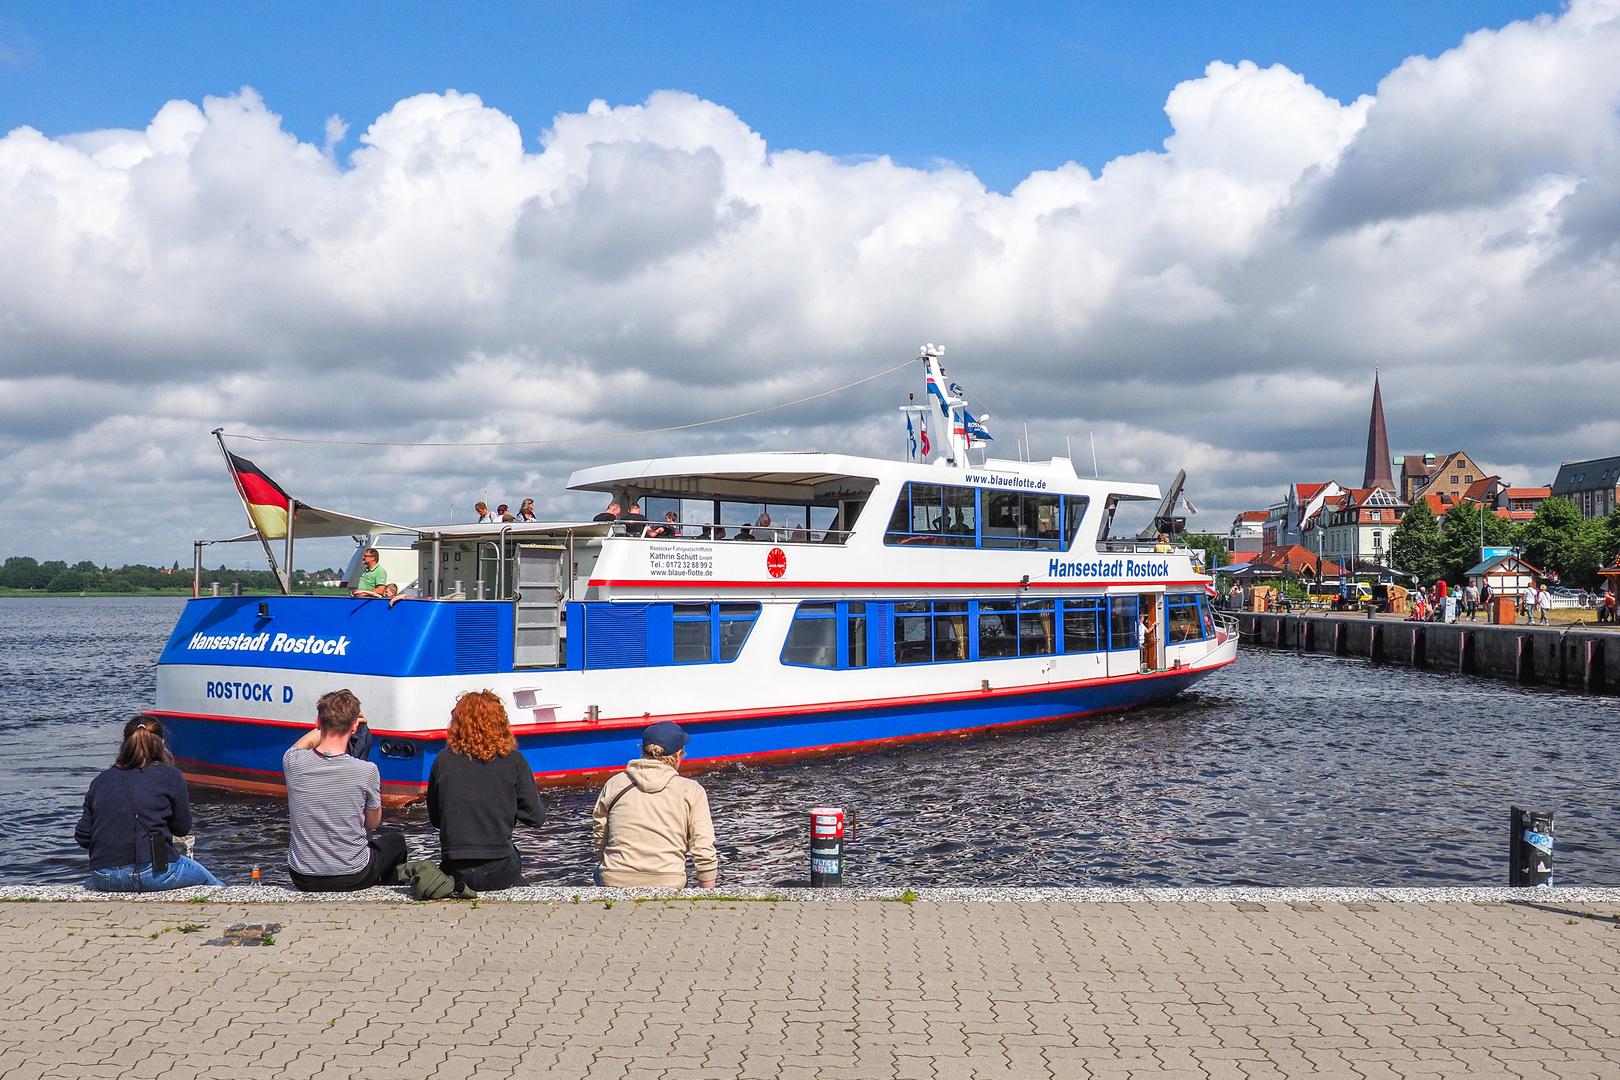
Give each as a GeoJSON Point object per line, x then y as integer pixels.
{"type": "Point", "coordinates": [1378, 466]}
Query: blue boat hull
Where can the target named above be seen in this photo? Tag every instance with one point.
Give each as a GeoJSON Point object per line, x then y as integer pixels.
{"type": "Point", "coordinates": [246, 755]}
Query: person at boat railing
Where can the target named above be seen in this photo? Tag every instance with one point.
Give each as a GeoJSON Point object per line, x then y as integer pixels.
{"type": "Point", "coordinates": [135, 815]}
{"type": "Point", "coordinates": [610, 514]}
{"type": "Point", "coordinates": [503, 515]}
{"type": "Point", "coordinates": [763, 530]}
{"type": "Point", "coordinates": [484, 516]}
{"type": "Point", "coordinates": [526, 511]}
{"type": "Point", "coordinates": [635, 520]}
{"type": "Point", "coordinates": [649, 818]}
{"type": "Point", "coordinates": [374, 578]}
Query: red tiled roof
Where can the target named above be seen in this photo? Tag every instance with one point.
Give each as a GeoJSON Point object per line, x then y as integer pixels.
{"type": "Point", "coordinates": [1253, 515]}
{"type": "Point", "coordinates": [1295, 558]}
{"type": "Point", "coordinates": [1516, 515]}
{"type": "Point", "coordinates": [1529, 493]}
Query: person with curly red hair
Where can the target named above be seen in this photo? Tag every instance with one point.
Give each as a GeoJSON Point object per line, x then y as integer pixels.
{"type": "Point", "coordinates": [479, 789]}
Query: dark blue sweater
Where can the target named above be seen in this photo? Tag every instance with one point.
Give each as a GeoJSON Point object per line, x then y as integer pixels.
{"type": "Point", "coordinates": [107, 826]}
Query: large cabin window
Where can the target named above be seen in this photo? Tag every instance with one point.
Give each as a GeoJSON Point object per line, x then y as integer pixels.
{"type": "Point", "coordinates": [927, 632]}
{"type": "Point", "coordinates": [1015, 519]}
{"type": "Point", "coordinates": [949, 515]}
{"type": "Point", "coordinates": [941, 515]}
{"type": "Point", "coordinates": [1085, 626]}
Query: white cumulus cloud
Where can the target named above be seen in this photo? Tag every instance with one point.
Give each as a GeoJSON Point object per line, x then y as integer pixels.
{"type": "Point", "coordinates": [1216, 304]}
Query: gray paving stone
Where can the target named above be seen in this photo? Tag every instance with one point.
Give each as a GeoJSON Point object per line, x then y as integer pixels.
{"type": "Point", "coordinates": [958, 983]}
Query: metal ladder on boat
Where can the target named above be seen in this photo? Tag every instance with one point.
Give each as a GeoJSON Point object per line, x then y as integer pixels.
{"type": "Point", "coordinates": [541, 580]}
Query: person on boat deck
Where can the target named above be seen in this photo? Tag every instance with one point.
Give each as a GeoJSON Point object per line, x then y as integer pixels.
{"type": "Point", "coordinates": [763, 530]}
{"type": "Point", "coordinates": [610, 514]}
{"type": "Point", "coordinates": [649, 818]}
{"type": "Point", "coordinates": [480, 786]}
{"type": "Point", "coordinates": [373, 578]}
{"type": "Point", "coordinates": [503, 514]}
{"type": "Point", "coordinates": [333, 802]}
{"type": "Point", "coordinates": [484, 516]}
{"type": "Point", "coordinates": [132, 813]}
{"type": "Point", "coordinates": [526, 510]}
{"type": "Point", "coordinates": [670, 528]}
{"type": "Point", "coordinates": [635, 519]}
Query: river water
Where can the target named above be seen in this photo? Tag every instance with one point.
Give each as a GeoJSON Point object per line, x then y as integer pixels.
{"type": "Point", "coordinates": [1279, 770]}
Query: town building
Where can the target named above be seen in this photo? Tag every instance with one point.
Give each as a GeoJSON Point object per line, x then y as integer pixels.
{"type": "Point", "coordinates": [1248, 532]}
{"type": "Point", "coordinates": [1377, 473]}
{"type": "Point", "coordinates": [1507, 575]}
{"type": "Point", "coordinates": [1522, 500]}
{"type": "Point", "coordinates": [1453, 475]}
{"type": "Point", "coordinates": [1285, 521]}
{"type": "Point", "coordinates": [1354, 527]}
{"type": "Point", "coordinates": [1591, 485]}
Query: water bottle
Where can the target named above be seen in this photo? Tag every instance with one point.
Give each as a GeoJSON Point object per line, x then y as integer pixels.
{"type": "Point", "coordinates": [255, 875]}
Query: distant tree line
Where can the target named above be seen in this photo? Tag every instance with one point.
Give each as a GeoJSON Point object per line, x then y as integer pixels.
{"type": "Point", "coordinates": [1557, 540]}
{"type": "Point", "coordinates": [56, 576]}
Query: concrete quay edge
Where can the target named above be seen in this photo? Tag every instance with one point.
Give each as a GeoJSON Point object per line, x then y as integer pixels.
{"type": "Point", "coordinates": [562, 894]}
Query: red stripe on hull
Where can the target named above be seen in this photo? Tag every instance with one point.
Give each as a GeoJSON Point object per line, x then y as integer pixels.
{"type": "Point", "coordinates": [807, 709]}
{"type": "Point", "coordinates": [706, 583]}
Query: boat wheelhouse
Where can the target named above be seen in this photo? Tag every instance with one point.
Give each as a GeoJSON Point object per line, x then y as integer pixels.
{"type": "Point", "coordinates": [774, 604]}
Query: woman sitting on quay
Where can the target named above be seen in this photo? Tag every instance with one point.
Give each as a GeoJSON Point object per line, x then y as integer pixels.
{"type": "Point", "coordinates": [479, 788]}
{"type": "Point", "coordinates": [132, 813]}
{"type": "Point", "coordinates": [649, 817]}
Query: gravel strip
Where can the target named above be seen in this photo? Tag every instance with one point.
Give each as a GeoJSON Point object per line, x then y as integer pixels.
{"type": "Point", "coordinates": [243, 894]}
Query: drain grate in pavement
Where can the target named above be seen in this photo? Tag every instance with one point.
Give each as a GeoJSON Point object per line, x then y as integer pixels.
{"type": "Point", "coordinates": [248, 934]}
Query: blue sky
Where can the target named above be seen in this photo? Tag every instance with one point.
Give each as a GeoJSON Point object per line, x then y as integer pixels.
{"type": "Point", "coordinates": [1001, 89]}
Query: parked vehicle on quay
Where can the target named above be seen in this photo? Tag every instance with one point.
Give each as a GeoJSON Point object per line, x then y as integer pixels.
{"type": "Point", "coordinates": [801, 603]}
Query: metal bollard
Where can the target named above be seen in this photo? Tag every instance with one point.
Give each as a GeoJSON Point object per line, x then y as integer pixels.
{"type": "Point", "coordinates": [236, 588]}
{"type": "Point", "coordinates": [826, 846]}
{"type": "Point", "coordinates": [215, 586]}
{"type": "Point", "coordinates": [1530, 847]}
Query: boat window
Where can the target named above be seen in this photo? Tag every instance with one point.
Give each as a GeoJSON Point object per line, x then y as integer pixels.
{"type": "Point", "coordinates": [1074, 509]}
{"type": "Point", "coordinates": [1022, 520]}
{"type": "Point", "coordinates": [812, 639]}
{"type": "Point", "coordinates": [998, 629]}
{"type": "Point", "coordinates": [1037, 631]}
{"type": "Point", "coordinates": [1122, 612]}
{"type": "Point", "coordinates": [934, 514]}
{"type": "Point", "coordinates": [1182, 621]}
{"type": "Point", "coordinates": [694, 634]}
{"type": "Point", "coordinates": [736, 620]}
{"type": "Point", "coordinates": [857, 635]}
{"type": "Point", "coordinates": [1083, 627]}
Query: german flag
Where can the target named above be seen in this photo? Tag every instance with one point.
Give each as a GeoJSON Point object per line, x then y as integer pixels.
{"type": "Point", "coordinates": [266, 502]}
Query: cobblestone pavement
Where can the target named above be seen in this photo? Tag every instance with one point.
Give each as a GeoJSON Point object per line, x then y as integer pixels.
{"type": "Point", "coordinates": [696, 988]}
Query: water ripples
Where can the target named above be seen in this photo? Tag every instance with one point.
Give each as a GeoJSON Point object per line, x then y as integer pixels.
{"type": "Point", "coordinates": [1280, 770]}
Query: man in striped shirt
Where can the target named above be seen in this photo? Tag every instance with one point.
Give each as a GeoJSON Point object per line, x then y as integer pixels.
{"type": "Point", "coordinates": [333, 803]}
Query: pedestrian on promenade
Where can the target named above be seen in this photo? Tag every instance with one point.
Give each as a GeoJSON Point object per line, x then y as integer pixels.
{"type": "Point", "coordinates": [132, 813]}
{"type": "Point", "coordinates": [649, 818]}
{"type": "Point", "coordinates": [333, 802]}
{"type": "Point", "coordinates": [1543, 603]}
{"type": "Point", "coordinates": [1471, 598]}
{"type": "Point", "coordinates": [481, 786]}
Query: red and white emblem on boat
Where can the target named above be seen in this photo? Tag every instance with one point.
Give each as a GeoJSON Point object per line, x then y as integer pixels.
{"type": "Point", "coordinates": [776, 562]}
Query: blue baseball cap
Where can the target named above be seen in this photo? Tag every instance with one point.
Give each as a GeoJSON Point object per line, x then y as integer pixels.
{"type": "Point", "coordinates": [665, 734]}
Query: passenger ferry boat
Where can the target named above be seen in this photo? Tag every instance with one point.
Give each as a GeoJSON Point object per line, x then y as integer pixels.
{"type": "Point", "coordinates": [885, 601]}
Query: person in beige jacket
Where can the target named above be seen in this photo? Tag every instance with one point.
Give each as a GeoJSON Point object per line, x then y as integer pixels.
{"type": "Point", "coordinates": [649, 817]}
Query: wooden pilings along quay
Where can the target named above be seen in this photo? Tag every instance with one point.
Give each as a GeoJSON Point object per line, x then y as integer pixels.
{"type": "Point", "coordinates": [1555, 656]}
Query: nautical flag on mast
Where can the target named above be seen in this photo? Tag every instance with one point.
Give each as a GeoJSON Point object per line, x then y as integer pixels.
{"type": "Point", "coordinates": [265, 501]}
{"type": "Point", "coordinates": [974, 429]}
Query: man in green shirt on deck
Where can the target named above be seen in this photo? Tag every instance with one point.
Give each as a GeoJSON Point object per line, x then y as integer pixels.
{"type": "Point", "coordinates": [374, 578]}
